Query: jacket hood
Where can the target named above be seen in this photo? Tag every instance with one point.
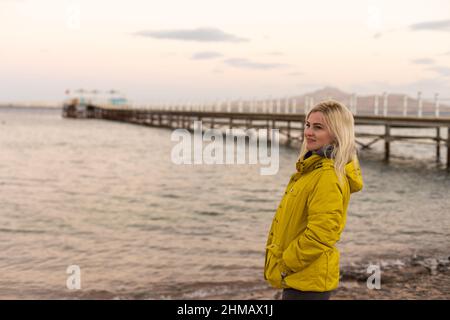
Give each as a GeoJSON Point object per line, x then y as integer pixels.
{"type": "Point", "coordinates": [354, 176]}
{"type": "Point", "coordinates": [314, 160]}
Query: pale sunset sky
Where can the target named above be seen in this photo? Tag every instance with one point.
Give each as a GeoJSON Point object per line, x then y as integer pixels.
{"type": "Point", "coordinates": [203, 50]}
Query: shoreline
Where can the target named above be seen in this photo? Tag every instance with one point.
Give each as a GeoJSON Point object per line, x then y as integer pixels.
{"type": "Point", "coordinates": [412, 278]}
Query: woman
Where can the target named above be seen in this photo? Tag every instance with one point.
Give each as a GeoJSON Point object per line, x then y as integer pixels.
{"type": "Point", "coordinates": [301, 256]}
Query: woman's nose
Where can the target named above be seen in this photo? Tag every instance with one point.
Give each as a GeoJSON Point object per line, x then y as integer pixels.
{"type": "Point", "coordinates": [308, 132]}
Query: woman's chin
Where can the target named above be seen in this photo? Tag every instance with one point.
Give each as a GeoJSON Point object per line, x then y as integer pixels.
{"type": "Point", "coordinates": [312, 147]}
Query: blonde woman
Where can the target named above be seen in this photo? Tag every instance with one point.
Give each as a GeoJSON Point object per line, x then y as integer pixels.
{"type": "Point", "coordinates": [301, 254]}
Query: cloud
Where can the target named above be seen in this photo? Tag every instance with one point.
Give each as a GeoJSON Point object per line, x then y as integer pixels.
{"type": "Point", "coordinates": [439, 25]}
{"type": "Point", "coordinates": [377, 35]}
{"type": "Point", "coordinates": [199, 34]}
{"type": "Point", "coordinates": [423, 61]}
{"type": "Point", "coordinates": [443, 71]}
{"type": "Point", "coordinates": [436, 25]}
{"type": "Point", "coordinates": [206, 55]}
{"type": "Point", "coordinates": [247, 64]}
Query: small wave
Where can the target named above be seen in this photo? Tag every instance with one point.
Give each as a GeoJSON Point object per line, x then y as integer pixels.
{"type": "Point", "coordinates": [170, 196]}
{"type": "Point", "coordinates": [421, 232]}
{"type": "Point", "coordinates": [258, 200]}
{"type": "Point", "coordinates": [222, 290]}
{"type": "Point", "coordinates": [208, 213]}
{"type": "Point", "coordinates": [251, 252]}
{"type": "Point", "coordinates": [213, 290]}
{"type": "Point", "coordinates": [26, 231]}
{"type": "Point", "coordinates": [223, 267]}
{"type": "Point", "coordinates": [150, 227]}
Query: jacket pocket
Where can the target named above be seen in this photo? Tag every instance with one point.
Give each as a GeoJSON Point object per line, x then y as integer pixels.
{"type": "Point", "coordinates": [312, 277]}
{"type": "Point", "coordinates": [271, 271]}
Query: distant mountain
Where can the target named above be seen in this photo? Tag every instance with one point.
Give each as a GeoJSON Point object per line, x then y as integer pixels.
{"type": "Point", "coordinates": [326, 93]}
{"type": "Point", "coordinates": [365, 103]}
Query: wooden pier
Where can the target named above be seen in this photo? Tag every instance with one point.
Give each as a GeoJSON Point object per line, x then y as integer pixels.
{"type": "Point", "coordinates": [290, 125]}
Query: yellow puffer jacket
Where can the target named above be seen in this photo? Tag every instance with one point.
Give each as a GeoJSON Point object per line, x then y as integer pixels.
{"type": "Point", "coordinates": [300, 251]}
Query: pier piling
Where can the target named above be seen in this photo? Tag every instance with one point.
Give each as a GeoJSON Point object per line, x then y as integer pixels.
{"type": "Point", "coordinates": [291, 125]}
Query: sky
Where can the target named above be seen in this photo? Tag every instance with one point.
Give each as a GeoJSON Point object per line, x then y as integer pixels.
{"type": "Point", "coordinates": [176, 51]}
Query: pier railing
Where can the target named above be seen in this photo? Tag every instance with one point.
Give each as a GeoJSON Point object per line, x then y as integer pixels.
{"type": "Point", "coordinates": [289, 124]}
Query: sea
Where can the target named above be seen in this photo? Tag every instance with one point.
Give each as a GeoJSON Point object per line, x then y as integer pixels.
{"type": "Point", "coordinates": [106, 197]}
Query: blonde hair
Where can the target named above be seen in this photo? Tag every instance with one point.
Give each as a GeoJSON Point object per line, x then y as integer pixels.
{"type": "Point", "coordinates": [340, 123]}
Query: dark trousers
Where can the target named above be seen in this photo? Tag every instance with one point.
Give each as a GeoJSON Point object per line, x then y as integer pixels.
{"type": "Point", "coordinates": [292, 294]}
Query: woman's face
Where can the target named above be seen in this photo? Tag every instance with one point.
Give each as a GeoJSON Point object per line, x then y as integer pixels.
{"type": "Point", "coordinates": [317, 134]}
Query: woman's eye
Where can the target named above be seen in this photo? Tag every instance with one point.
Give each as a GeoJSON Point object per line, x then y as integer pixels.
{"type": "Point", "coordinates": [307, 125]}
